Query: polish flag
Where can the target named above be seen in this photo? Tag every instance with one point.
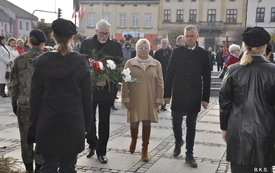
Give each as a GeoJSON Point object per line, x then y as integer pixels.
{"type": "Point", "coordinates": [81, 12]}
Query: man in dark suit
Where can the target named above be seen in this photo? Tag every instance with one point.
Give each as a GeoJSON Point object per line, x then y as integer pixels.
{"type": "Point", "coordinates": [102, 98]}
{"type": "Point", "coordinates": [188, 73]}
{"type": "Point", "coordinates": [163, 55]}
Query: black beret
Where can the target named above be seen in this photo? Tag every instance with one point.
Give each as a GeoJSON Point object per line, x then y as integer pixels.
{"type": "Point", "coordinates": [63, 27]}
{"type": "Point", "coordinates": [269, 46]}
{"type": "Point", "coordinates": [255, 37]}
{"type": "Point", "coordinates": [40, 35]}
{"type": "Point", "coordinates": [128, 36]}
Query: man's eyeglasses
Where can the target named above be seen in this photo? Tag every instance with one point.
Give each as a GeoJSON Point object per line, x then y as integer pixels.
{"type": "Point", "coordinates": [142, 48]}
{"type": "Point", "coordinates": [103, 33]}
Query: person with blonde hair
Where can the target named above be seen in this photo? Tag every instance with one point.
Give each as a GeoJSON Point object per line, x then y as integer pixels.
{"type": "Point", "coordinates": [12, 47]}
{"type": "Point", "coordinates": [142, 98]}
{"type": "Point", "coordinates": [19, 46]}
{"type": "Point", "coordinates": [60, 102]}
{"type": "Point", "coordinates": [247, 101]}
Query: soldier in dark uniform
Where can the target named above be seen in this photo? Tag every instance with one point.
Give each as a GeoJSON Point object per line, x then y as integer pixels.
{"type": "Point", "coordinates": [127, 48]}
{"type": "Point", "coordinates": [20, 94]}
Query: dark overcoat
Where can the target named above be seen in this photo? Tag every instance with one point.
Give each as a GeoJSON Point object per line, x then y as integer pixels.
{"type": "Point", "coordinates": [189, 75]}
{"type": "Point", "coordinates": [247, 102]}
{"type": "Point", "coordinates": [112, 48]}
{"type": "Point", "coordinates": [163, 59]}
{"type": "Point", "coordinates": [60, 103]}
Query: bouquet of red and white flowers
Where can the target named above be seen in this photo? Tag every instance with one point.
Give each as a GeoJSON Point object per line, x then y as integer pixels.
{"type": "Point", "coordinates": [108, 70]}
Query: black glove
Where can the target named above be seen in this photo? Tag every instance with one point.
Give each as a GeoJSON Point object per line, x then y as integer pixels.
{"type": "Point", "coordinates": [14, 108]}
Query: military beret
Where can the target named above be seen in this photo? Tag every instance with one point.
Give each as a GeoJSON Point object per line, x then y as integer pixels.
{"type": "Point", "coordinates": [63, 27]}
{"type": "Point", "coordinates": [269, 46]}
{"type": "Point", "coordinates": [39, 35]}
{"type": "Point", "coordinates": [255, 37]}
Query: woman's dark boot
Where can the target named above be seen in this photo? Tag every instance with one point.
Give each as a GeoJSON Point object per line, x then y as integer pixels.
{"type": "Point", "coordinates": [29, 167]}
{"type": "Point", "coordinates": [2, 90]}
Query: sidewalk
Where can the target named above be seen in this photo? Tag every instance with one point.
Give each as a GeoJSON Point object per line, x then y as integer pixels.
{"type": "Point", "coordinates": [209, 148]}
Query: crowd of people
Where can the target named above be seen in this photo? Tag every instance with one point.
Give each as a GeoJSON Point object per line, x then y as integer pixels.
{"type": "Point", "coordinates": [53, 98]}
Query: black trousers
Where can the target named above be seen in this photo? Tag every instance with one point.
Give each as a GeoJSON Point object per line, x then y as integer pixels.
{"type": "Point", "coordinates": [65, 164]}
{"type": "Point", "coordinates": [219, 66]}
{"type": "Point", "coordinates": [236, 168]}
{"type": "Point", "coordinates": [191, 120]}
{"type": "Point", "coordinates": [100, 143]}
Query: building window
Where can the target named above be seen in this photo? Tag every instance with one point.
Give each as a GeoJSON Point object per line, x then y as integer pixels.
{"type": "Point", "coordinates": [179, 0]}
{"type": "Point", "coordinates": [272, 17]}
{"type": "Point", "coordinates": [167, 15]}
{"type": "Point", "coordinates": [260, 14]}
{"type": "Point", "coordinates": [122, 20]}
{"type": "Point", "coordinates": [27, 25]}
{"type": "Point", "coordinates": [212, 0]}
{"type": "Point", "coordinates": [193, 16]}
{"type": "Point", "coordinates": [193, 0]}
{"type": "Point", "coordinates": [167, 0]}
{"type": "Point", "coordinates": [232, 0]}
{"type": "Point", "coordinates": [179, 15]}
{"type": "Point", "coordinates": [231, 16]}
{"type": "Point", "coordinates": [211, 16]}
{"type": "Point", "coordinates": [20, 25]}
{"type": "Point", "coordinates": [148, 20]}
{"type": "Point", "coordinates": [107, 17]}
{"type": "Point", "coordinates": [135, 18]}
{"type": "Point", "coordinates": [91, 19]}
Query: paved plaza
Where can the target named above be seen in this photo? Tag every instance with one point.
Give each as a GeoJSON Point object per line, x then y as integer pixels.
{"type": "Point", "coordinates": [209, 147]}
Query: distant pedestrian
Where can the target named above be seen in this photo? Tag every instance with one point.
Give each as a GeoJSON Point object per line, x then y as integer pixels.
{"type": "Point", "coordinates": [247, 101]}
{"type": "Point", "coordinates": [80, 39]}
{"type": "Point", "coordinates": [188, 76]}
{"type": "Point", "coordinates": [5, 65]}
{"type": "Point", "coordinates": [211, 56]}
{"type": "Point", "coordinates": [143, 98]}
{"type": "Point", "coordinates": [180, 41]}
{"type": "Point", "coordinates": [127, 48]}
{"type": "Point", "coordinates": [19, 46]}
{"type": "Point", "coordinates": [219, 58]}
{"type": "Point", "coordinates": [234, 55]}
{"type": "Point", "coordinates": [163, 56]}
{"type": "Point", "coordinates": [20, 86]}
{"type": "Point", "coordinates": [12, 48]}
{"type": "Point", "coordinates": [60, 102]}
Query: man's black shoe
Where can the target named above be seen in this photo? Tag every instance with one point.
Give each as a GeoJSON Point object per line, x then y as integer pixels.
{"type": "Point", "coordinates": [189, 159]}
{"type": "Point", "coordinates": [177, 149]}
{"type": "Point", "coordinates": [113, 108]}
{"type": "Point", "coordinates": [90, 153]}
{"type": "Point", "coordinates": [102, 159]}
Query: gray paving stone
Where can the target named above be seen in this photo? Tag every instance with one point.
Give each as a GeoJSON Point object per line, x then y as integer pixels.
{"type": "Point", "coordinates": [10, 133]}
{"type": "Point", "coordinates": [208, 126]}
{"type": "Point", "coordinates": [116, 161]}
{"type": "Point", "coordinates": [209, 137]}
{"type": "Point", "coordinates": [178, 166]}
{"type": "Point", "coordinates": [215, 119]}
{"type": "Point", "coordinates": [5, 120]}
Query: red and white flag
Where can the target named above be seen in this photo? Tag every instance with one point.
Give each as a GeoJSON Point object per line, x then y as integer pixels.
{"type": "Point", "coordinates": [81, 12]}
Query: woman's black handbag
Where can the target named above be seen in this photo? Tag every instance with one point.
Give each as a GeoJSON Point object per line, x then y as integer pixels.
{"type": "Point", "coordinates": [221, 75]}
{"type": "Point", "coordinates": [7, 75]}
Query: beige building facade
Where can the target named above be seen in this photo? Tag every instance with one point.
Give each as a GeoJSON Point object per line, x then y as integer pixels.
{"type": "Point", "coordinates": [138, 18]}
{"type": "Point", "coordinates": [213, 18]}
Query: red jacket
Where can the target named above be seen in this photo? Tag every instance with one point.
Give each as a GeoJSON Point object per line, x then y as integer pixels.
{"type": "Point", "coordinates": [20, 49]}
{"type": "Point", "coordinates": [231, 60]}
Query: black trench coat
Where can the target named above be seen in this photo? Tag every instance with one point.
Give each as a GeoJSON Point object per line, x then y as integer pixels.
{"type": "Point", "coordinates": [60, 102]}
{"type": "Point", "coordinates": [188, 73]}
{"type": "Point", "coordinates": [247, 100]}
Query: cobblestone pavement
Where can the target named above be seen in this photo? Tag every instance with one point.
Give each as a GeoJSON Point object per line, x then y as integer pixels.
{"type": "Point", "coordinates": [209, 151]}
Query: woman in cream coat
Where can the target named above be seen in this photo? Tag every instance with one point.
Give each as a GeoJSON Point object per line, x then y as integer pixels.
{"type": "Point", "coordinates": [5, 64]}
{"type": "Point", "coordinates": [143, 98]}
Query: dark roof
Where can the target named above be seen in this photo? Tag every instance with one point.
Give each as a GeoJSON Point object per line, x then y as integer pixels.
{"type": "Point", "coordinates": [3, 16]}
{"type": "Point", "coordinates": [19, 12]}
{"type": "Point", "coordinates": [119, 1]}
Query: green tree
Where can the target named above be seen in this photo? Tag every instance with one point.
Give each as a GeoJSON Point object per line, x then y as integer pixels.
{"type": "Point", "coordinates": [46, 28]}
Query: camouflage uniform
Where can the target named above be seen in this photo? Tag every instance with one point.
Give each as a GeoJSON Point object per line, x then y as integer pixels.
{"type": "Point", "coordinates": [20, 95]}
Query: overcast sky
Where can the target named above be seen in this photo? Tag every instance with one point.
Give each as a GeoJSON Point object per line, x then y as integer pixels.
{"type": "Point", "coordinates": [46, 5]}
